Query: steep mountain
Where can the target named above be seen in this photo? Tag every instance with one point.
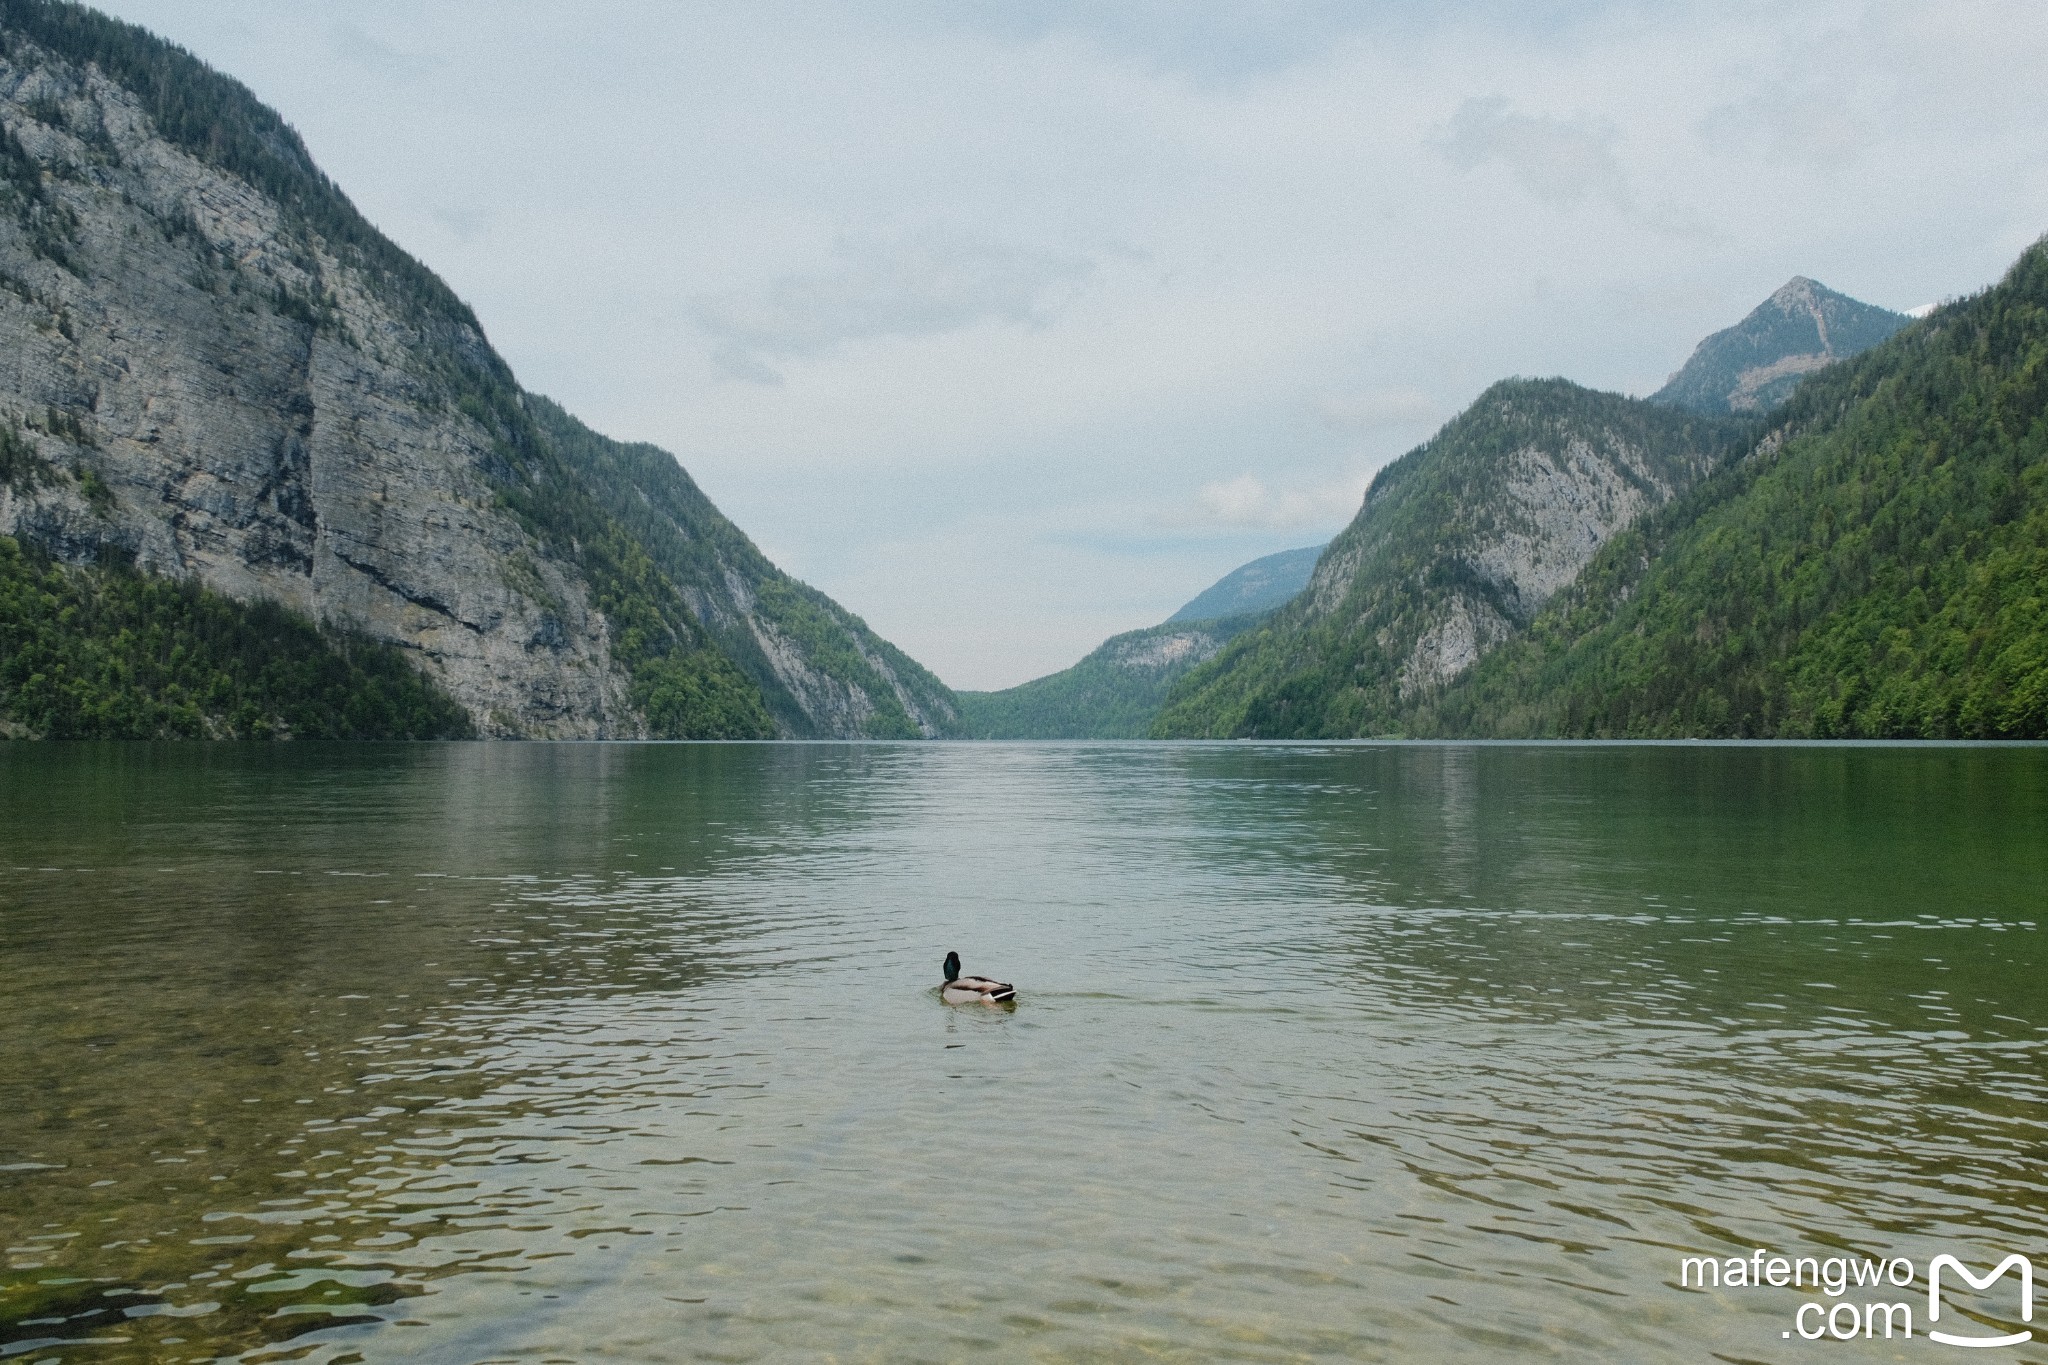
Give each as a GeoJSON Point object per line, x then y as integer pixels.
{"type": "Point", "coordinates": [819, 668]}
{"type": "Point", "coordinates": [1754, 365]}
{"type": "Point", "coordinates": [1250, 588]}
{"type": "Point", "coordinates": [1459, 544]}
{"type": "Point", "coordinates": [1875, 565]}
{"type": "Point", "coordinates": [1113, 693]}
{"type": "Point", "coordinates": [221, 374]}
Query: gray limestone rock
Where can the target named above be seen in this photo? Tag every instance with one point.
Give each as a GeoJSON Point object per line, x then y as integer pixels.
{"type": "Point", "coordinates": [268, 456]}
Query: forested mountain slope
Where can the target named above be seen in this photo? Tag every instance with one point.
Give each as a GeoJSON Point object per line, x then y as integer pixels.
{"type": "Point", "coordinates": [1876, 565]}
{"type": "Point", "coordinates": [819, 668]}
{"type": "Point", "coordinates": [1458, 545]}
{"type": "Point", "coordinates": [221, 373]}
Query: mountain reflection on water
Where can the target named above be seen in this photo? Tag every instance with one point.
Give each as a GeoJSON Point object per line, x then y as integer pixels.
{"type": "Point", "coordinates": [479, 1052]}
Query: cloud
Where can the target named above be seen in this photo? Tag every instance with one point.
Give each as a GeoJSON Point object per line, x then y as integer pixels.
{"type": "Point", "coordinates": [465, 223]}
{"type": "Point", "coordinates": [1376, 409]}
{"type": "Point", "coordinates": [1212, 40]}
{"type": "Point", "coordinates": [1247, 503]}
{"type": "Point", "coordinates": [738, 362]}
{"type": "Point", "coordinates": [1560, 161]}
{"type": "Point", "coordinates": [361, 49]}
{"type": "Point", "coordinates": [1816, 128]}
{"type": "Point", "coordinates": [922, 285]}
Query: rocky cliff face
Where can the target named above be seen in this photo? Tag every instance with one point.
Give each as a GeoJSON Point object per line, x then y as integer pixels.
{"type": "Point", "coordinates": [1557, 507]}
{"type": "Point", "coordinates": [1154, 651]}
{"type": "Point", "coordinates": [1754, 365]}
{"type": "Point", "coordinates": [1457, 546]}
{"type": "Point", "coordinates": [224, 402]}
{"type": "Point", "coordinates": [215, 367]}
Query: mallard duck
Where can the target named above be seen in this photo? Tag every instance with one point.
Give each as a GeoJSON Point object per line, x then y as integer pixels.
{"type": "Point", "coordinates": [972, 990]}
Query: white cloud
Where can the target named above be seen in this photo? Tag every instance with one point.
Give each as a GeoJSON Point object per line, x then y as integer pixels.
{"type": "Point", "coordinates": [353, 45]}
{"type": "Point", "coordinates": [464, 221]}
{"type": "Point", "coordinates": [925, 284]}
{"type": "Point", "coordinates": [1375, 409]}
{"type": "Point", "coordinates": [1246, 502]}
{"type": "Point", "coordinates": [1816, 127]}
{"type": "Point", "coordinates": [1560, 161]}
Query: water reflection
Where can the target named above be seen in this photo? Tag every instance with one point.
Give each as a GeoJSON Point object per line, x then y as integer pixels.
{"type": "Point", "coordinates": [475, 1051]}
{"type": "Point", "coordinates": [256, 994]}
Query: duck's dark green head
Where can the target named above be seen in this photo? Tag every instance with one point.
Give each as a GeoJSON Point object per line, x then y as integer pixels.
{"type": "Point", "coordinates": [952, 966]}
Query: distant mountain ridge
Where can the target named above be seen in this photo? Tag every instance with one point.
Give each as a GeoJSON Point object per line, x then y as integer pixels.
{"type": "Point", "coordinates": [1754, 365]}
{"type": "Point", "coordinates": [221, 374]}
{"type": "Point", "coordinates": [1116, 690]}
{"type": "Point", "coordinates": [1259, 586]}
{"type": "Point", "coordinates": [1113, 693]}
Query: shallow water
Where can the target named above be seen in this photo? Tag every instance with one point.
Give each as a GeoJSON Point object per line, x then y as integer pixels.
{"type": "Point", "coordinates": [576, 1052]}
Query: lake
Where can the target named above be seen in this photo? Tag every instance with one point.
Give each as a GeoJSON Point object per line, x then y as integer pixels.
{"type": "Point", "coordinates": [530, 1052]}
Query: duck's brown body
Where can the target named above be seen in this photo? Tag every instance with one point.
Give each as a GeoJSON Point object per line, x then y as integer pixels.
{"type": "Point", "coordinates": [973, 990]}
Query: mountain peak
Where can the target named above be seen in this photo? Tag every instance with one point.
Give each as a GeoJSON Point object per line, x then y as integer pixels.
{"type": "Point", "coordinates": [1754, 365]}
{"type": "Point", "coordinates": [1801, 292]}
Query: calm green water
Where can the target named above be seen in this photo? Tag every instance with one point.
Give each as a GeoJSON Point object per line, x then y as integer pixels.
{"type": "Point", "coordinates": [563, 1052]}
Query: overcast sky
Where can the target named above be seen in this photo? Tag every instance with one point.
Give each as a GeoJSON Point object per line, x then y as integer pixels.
{"type": "Point", "coordinates": [1012, 324]}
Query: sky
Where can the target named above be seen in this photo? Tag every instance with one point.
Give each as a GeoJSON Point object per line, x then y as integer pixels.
{"type": "Point", "coordinates": [1012, 324]}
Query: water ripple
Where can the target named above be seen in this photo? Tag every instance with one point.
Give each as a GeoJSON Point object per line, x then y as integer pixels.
{"type": "Point", "coordinates": [535, 1052]}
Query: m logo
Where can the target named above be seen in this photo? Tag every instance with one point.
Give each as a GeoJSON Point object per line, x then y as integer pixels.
{"type": "Point", "coordinates": [2026, 1269]}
